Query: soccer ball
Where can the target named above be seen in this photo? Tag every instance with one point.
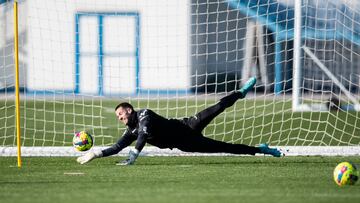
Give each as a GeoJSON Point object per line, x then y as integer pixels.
{"type": "Point", "coordinates": [345, 173]}
{"type": "Point", "coordinates": [83, 141]}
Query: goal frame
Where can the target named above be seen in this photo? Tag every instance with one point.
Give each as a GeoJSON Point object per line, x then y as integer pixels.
{"type": "Point", "coordinates": [297, 106]}
{"type": "Point", "coordinates": [343, 148]}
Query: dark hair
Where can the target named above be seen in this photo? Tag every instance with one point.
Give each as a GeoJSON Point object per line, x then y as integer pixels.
{"type": "Point", "coordinates": [124, 105]}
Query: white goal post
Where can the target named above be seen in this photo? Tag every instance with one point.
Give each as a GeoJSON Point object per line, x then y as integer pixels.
{"type": "Point", "coordinates": [297, 75]}
{"type": "Point", "coordinates": [80, 58]}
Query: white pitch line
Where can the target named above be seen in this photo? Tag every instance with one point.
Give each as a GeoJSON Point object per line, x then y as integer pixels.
{"type": "Point", "coordinates": [74, 173]}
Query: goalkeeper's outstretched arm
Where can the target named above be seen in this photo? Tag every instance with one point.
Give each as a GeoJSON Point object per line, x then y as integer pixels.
{"type": "Point", "coordinates": [140, 142]}
{"type": "Point", "coordinates": [123, 142]}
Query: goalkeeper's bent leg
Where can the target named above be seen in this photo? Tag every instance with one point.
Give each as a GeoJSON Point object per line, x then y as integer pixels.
{"type": "Point", "coordinates": [203, 118]}
{"type": "Point", "coordinates": [229, 100]}
{"type": "Point", "coordinates": [89, 156]}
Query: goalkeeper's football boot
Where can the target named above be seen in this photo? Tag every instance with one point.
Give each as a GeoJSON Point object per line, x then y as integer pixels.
{"type": "Point", "coordinates": [230, 99]}
{"type": "Point", "coordinates": [265, 149]}
{"type": "Point", "coordinates": [247, 86]}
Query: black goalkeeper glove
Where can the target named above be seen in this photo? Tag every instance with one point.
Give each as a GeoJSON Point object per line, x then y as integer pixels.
{"type": "Point", "coordinates": [133, 154]}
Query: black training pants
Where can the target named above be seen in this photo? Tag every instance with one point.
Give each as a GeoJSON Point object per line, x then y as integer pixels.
{"type": "Point", "coordinates": [196, 142]}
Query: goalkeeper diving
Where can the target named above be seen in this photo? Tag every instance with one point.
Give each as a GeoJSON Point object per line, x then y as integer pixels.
{"type": "Point", "coordinates": [145, 126]}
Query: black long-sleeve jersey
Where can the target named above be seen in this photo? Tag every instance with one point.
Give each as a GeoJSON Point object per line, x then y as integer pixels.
{"type": "Point", "coordinates": [145, 126]}
{"type": "Point", "coordinates": [149, 127]}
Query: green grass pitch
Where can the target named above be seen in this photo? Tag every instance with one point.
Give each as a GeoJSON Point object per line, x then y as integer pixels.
{"type": "Point", "coordinates": [176, 179]}
{"type": "Point", "coordinates": [52, 123]}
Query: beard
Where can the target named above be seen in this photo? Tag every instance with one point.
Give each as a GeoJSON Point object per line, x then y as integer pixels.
{"type": "Point", "coordinates": [132, 120]}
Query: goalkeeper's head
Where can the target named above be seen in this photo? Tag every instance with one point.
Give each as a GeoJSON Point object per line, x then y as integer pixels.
{"type": "Point", "coordinates": [125, 113]}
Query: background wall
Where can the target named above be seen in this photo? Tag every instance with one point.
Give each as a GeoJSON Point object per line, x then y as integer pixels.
{"type": "Point", "coordinates": [7, 78]}
{"type": "Point", "coordinates": [194, 45]}
{"type": "Point", "coordinates": [49, 41]}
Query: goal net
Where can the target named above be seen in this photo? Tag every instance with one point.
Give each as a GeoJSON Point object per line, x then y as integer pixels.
{"type": "Point", "coordinates": [80, 58]}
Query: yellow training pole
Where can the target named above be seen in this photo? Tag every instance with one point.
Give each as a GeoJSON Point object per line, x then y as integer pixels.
{"type": "Point", "coordinates": [17, 101]}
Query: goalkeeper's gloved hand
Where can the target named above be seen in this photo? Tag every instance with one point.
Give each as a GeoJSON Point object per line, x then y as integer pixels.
{"type": "Point", "coordinates": [89, 156]}
{"type": "Point", "coordinates": [133, 154]}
